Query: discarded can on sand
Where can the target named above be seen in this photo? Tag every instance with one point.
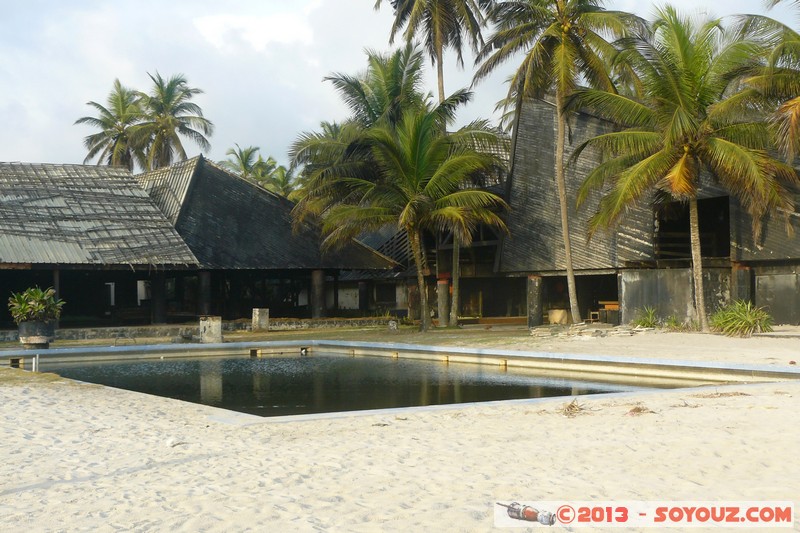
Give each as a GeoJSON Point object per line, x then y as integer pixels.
{"type": "Point", "coordinates": [529, 514]}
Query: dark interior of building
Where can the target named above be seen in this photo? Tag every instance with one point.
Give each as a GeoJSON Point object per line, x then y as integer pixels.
{"type": "Point", "coordinates": [672, 239]}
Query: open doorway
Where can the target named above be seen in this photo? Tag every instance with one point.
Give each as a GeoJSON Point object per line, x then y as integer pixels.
{"type": "Point", "coordinates": [596, 293]}
{"type": "Point", "coordinates": [672, 238]}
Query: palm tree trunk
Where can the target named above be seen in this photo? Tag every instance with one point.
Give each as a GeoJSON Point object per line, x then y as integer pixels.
{"type": "Point", "coordinates": [440, 72]}
{"type": "Point", "coordinates": [456, 275]}
{"type": "Point", "coordinates": [697, 266]}
{"type": "Point", "coordinates": [562, 201]}
{"type": "Point", "coordinates": [416, 249]}
{"type": "Point", "coordinates": [454, 272]}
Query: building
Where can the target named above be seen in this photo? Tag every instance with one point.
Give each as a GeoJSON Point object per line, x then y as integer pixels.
{"type": "Point", "coordinates": [89, 231]}
{"type": "Point", "coordinates": [168, 245]}
{"type": "Point", "coordinates": [646, 259]}
{"type": "Point", "coordinates": [249, 253]}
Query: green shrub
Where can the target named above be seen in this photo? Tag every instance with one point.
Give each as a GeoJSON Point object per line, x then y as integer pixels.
{"type": "Point", "coordinates": [647, 318]}
{"type": "Point", "coordinates": [741, 319]}
{"type": "Point", "coordinates": [35, 304]}
{"type": "Point", "coordinates": [672, 323]}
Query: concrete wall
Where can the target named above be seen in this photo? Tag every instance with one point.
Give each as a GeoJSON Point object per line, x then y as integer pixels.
{"type": "Point", "coordinates": [670, 292]}
{"type": "Point", "coordinates": [777, 288]}
{"type": "Point", "coordinates": [401, 295]}
{"type": "Point", "coordinates": [348, 298]}
{"type": "Point", "coordinates": [193, 332]}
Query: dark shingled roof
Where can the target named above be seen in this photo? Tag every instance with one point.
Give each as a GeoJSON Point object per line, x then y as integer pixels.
{"type": "Point", "coordinates": [230, 223]}
{"type": "Point", "coordinates": [80, 214]}
{"type": "Point", "coordinates": [535, 243]}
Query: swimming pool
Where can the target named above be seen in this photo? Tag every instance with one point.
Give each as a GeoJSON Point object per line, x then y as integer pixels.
{"type": "Point", "coordinates": [294, 385]}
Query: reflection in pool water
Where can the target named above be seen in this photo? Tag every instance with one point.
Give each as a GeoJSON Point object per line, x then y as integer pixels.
{"type": "Point", "coordinates": [322, 384]}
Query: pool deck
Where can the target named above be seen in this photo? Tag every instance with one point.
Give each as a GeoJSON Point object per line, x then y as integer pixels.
{"type": "Point", "coordinates": [85, 457]}
{"type": "Point", "coordinates": [656, 371]}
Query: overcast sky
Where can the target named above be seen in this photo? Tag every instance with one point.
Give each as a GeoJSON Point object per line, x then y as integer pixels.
{"type": "Point", "coordinates": [260, 63]}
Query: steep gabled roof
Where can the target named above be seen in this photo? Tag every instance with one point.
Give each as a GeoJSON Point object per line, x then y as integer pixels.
{"type": "Point", "coordinates": [80, 214]}
{"type": "Point", "coordinates": [230, 223]}
{"type": "Point", "coordinates": [169, 186]}
{"type": "Point", "coordinates": [535, 243]}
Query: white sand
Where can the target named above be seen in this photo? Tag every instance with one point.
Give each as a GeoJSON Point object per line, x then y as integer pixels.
{"type": "Point", "coordinates": [80, 457]}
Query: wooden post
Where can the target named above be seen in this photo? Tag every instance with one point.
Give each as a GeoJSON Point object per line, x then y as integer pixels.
{"type": "Point", "coordinates": [205, 292]}
{"type": "Point", "coordinates": [413, 300]}
{"type": "Point", "coordinates": [317, 293]}
{"type": "Point", "coordinates": [336, 292]}
{"type": "Point", "coordinates": [443, 301]}
{"type": "Point", "coordinates": [741, 283]}
{"type": "Point", "coordinates": [56, 287]}
{"type": "Point", "coordinates": [159, 298]}
{"type": "Point", "coordinates": [363, 297]}
{"type": "Point", "coordinates": [534, 301]}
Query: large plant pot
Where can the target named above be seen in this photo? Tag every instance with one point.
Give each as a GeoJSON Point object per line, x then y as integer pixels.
{"type": "Point", "coordinates": [37, 333]}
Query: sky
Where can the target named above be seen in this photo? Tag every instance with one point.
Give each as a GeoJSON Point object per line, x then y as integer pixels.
{"type": "Point", "coordinates": [260, 63]}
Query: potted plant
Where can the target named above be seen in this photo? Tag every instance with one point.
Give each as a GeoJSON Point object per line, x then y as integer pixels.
{"type": "Point", "coordinates": [35, 311]}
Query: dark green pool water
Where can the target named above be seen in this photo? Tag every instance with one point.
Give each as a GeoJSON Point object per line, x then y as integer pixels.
{"type": "Point", "coordinates": [322, 384]}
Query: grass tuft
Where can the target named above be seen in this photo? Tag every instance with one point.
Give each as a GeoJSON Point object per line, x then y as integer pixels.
{"type": "Point", "coordinates": [741, 319]}
{"type": "Point", "coordinates": [639, 409]}
{"type": "Point", "coordinates": [647, 318]}
{"type": "Point", "coordinates": [572, 409]}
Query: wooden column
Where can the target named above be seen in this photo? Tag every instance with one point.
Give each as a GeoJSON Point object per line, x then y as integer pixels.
{"type": "Point", "coordinates": [205, 292]}
{"type": "Point", "coordinates": [57, 282]}
{"type": "Point", "coordinates": [413, 300]}
{"type": "Point", "coordinates": [158, 288]}
{"type": "Point", "coordinates": [317, 293]}
{"type": "Point", "coordinates": [741, 283]}
{"type": "Point", "coordinates": [443, 301]}
{"type": "Point", "coordinates": [57, 286]}
{"type": "Point", "coordinates": [336, 292]}
{"type": "Point", "coordinates": [534, 301]}
{"type": "Point", "coordinates": [363, 296]}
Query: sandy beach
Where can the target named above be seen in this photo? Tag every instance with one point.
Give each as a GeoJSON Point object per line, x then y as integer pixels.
{"type": "Point", "coordinates": [80, 457]}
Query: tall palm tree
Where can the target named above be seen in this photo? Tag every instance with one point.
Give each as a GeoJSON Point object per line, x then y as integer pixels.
{"type": "Point", "coordinates": [443, 24]}
{"type": "Point", "coordinates": [692, 119]}
{"type": "Point", "coordinates": [242, 161]}
{"type": "Point", "coordinates": [773, 3]}
{"type": "Point", "coordinates": [116, 121]}
{"type": "Point", "coordinates": [563, 42]}
{"type": "Point", "coordinates": [170, 115]}
{"type": "Point", "coordinates": [779, 81]}
{"type": "Point", "coordinates": [416, 170]}
{"type": "Point", "coordinates": [391, 83]}
{"type": "Point", "coordinates": [263, 168]}
{"type": "Point", "coordinates": [338, 149]}
{"type": "Point", "coordinates": [281, 181]}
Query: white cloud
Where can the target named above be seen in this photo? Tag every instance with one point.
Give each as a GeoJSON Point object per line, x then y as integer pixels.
{"type": "Point", "coordinates": [229, 32]}
{"type": "Point", "coordinates": [260, 63]}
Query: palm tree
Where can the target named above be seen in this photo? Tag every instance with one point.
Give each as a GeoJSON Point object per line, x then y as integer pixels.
{"type": "Point", "coordinates": [242, 161]}
{"type": "Point", "coordinates": [779, 81]}
{"type": "Point", "coordinates": [281, 181]}
{"type": "Point", "coordinates": [263, 168]}
{"type": "Point", "coordinates": [563, 41]}
{"type": "Point", "coordinates": [443, 24]}
{"type": "Point", "coordinates": [773, 3]}
{"type": "Point", "coordinates": [416, 168]}
{"type": "Point", "coordinates": [390, 84]}
{"type": "Point", "coordinates": [324, 156]}
{"type": "Point", "coordinates": [692, 120]}
{"type": "Point", "coordinates": [116, 121]}
{"type": "Point", "coordinates": [170, 115]}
